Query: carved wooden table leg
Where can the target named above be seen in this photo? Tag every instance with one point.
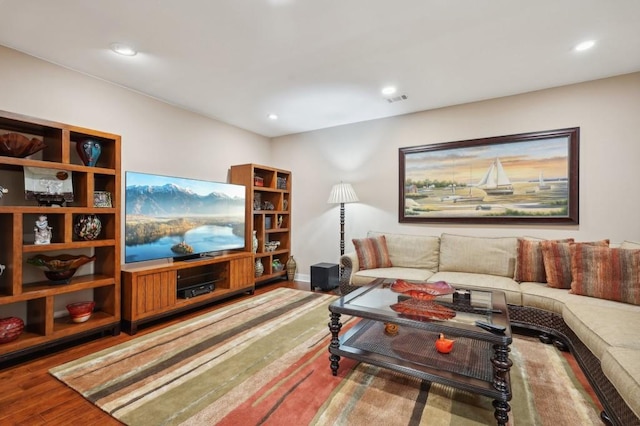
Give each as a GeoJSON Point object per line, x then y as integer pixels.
{"type": "Point", "coordinates": [334, 326]}
{"type": "Point", "coordinates": [501, 366]}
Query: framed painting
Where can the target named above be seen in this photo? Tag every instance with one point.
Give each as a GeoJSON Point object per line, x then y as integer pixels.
{"type": "Point", "coordinates": [523, 178]}
{"type": "Point", "coordinates": [102, 199]}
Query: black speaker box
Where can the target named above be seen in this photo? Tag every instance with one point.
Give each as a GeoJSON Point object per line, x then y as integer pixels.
{"type": "Point", "coordinates": [325, 276]}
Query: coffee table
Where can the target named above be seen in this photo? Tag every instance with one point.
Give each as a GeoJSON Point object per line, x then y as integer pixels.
{"type": "Point", "coordinates": [479, 362]}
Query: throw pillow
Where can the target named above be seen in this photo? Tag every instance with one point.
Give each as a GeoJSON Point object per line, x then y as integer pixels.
{"type": "Point", "coordinates": [606, 273]}
{"type": "Point", "coordinates": [530, 262]}
{"type": "Point", "coordinates": [372, 252]}
{"type": "Point", "coordinates": [557, 261]}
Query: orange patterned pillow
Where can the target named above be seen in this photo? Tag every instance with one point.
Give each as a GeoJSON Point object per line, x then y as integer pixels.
{"type": "Point", "coordinates": [606, 273]}
{"type": "Point", "coordinates": [557, 261]}
{"type": "Point", "coordinates": [372, 252]}
{"type": "Point", "coordinates": [530, 263]}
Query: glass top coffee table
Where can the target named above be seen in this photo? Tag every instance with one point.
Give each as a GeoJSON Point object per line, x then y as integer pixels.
{"type": "Point", "coordinates": [479, 361]}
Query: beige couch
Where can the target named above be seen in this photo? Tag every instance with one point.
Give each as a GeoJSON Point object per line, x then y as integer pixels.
{"type": "Point", "coordinates": [603, 335]}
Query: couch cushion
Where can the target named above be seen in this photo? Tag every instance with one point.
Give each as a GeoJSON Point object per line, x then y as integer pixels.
{"type": "Point", "coordinates": [622, 368]}
{"type": "Point", "coordinates": [601, 324]}
{"type": "Point", "coordinates": [606, 273]}
{"type": "Point", "coordinates": [372, 252]}
{"type": "Point", "coordinates": [367, 275]}
{"type": "Point", "coordinates": [478, 255]}
{"type": "Point", "coordinates": [482, 282]}
{"type": "Point", "coordinates": [557, 261]}
{"type": "Point", "coordinates": [541, 296]}
{"type": "Point", "coordinates": [530, 263]}
{"type": "Point", "coordinates": [630, 245]}
{"type": "Point", "coordinates": [412, 251]}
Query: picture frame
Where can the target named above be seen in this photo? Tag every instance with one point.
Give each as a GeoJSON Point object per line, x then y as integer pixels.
{"type": "Point", "coordinates": [102, 199]}
{"type": "Point", "coordinates": [514, 179]}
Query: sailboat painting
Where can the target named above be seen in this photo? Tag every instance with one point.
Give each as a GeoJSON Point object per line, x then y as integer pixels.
{"type": "Point", "coordinates": [496, 181]}
{"type": "Point", "coordinates": [523, 178]}
{"type": "Point", "coordinates": [542, 186]}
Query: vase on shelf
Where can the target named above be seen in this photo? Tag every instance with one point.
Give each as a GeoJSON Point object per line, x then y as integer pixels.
{"type": "Point", "coordinates": [291, 268]}
{"type": "Point", "coordinates": [259, 268]}
{"type": "Point", "coordinates": [89, 151]}
{"type": "Point", "coordinates": [87, 227]}
{"type": "Point", "coordinates": [254, 242]}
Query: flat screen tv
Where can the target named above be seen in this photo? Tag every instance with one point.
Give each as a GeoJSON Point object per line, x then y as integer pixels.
{"type": "Point", "coordinates": [181, 218]}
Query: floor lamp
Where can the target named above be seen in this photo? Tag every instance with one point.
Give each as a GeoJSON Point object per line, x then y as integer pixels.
{"type": "Point", "coordinates": [342, 193]}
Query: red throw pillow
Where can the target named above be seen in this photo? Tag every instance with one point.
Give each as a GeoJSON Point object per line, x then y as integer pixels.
{"type": "Point", "coordinates": [530, 262]}
{"type": "Point", "coordinates": [372, 252]}
{"type": "Point", "coordinates": [557, 261]}
{"type": "Point", "coordinates": [606, 273]}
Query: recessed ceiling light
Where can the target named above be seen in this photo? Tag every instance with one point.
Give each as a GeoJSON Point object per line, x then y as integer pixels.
{"type": "Point", "coordinates": [272, 116]}
{"type": "Point", "coordinates": [390, 90]}
{"type": "Point", "coordinates": [123, 49]}
{"type": "Point", "coordinates": [585, 45]}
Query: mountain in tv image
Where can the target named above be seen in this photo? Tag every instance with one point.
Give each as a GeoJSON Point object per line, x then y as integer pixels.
{"type": "Point", "coordinates": [171, 220]}
{"type": "Point", "coordinates": [173, 200]}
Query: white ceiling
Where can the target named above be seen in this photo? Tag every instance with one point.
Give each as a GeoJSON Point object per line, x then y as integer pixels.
{"type": "Point", "coordinates": [322, 63]}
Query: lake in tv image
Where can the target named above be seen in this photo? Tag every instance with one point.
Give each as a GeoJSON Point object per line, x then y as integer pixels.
{"type": "Point", "coordinates": [171, 217]}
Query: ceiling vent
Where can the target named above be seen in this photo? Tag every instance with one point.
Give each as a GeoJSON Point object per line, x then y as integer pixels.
{"type": "Point", "coordinates": [397, 99]}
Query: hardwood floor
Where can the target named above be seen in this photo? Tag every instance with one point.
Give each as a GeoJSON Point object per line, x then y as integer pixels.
{"type": "Point", "coordinates": [29, 395]}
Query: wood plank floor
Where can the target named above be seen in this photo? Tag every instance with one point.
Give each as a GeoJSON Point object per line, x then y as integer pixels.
{"type": "Point", "coordinates": [29, 395]}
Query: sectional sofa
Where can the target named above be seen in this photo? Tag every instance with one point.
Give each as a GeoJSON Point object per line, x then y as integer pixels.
{"type": "Point", "coordinates": [584, 297]}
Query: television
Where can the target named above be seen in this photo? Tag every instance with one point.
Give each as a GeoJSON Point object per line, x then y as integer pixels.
{"type": "Point", "coordinates": [181, 218]}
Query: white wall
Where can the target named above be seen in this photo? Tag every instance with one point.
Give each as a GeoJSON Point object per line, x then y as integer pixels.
{"type": "Point", "coordinates": [156, 137]}
{"type": "Point", "coordinates": [366, 155]}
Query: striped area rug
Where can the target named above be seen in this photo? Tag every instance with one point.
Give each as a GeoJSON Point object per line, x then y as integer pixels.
{"type": "Point", "coordinates": [264, 360]}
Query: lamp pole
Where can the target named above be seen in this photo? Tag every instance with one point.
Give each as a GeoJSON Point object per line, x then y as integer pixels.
{"type": "Point", "coordinates": [342, 193]}
{"type": "Point", "coordinates": [341, 229]}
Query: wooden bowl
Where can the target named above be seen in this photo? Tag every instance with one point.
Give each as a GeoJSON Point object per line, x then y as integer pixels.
{"type": "Point", "coordinates": [10, 329]}
{"type": "Point", "coordinates": [17, 145]}
{"type": "Point", "coordinates": [81, 311]}
{"type": "Point", "coordinates": [60, 269]}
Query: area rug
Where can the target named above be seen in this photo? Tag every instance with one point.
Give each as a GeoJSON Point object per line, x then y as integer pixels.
{"type": "Point", "coordinates": [264, 360]}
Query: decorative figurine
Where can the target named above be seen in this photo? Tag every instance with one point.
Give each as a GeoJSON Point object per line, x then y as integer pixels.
{"type": "Point", "coordinates": [3, 191]}
{"type": "Point", "coordinates": [42, 230]}
{"type": "Point", "coordinates": [2, 268]}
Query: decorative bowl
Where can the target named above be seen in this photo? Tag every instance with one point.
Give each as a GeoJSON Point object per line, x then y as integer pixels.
{"type": "Point", "coordinates": [81, 311]}
{"type": "Point", "coordinates": [60, 268]}
{"type": "Point", "coordinates": [10, 329]}
{"type": "Point", "coordinates": [17, 145]}
{"type": "Point", "coordinates": [271, 246]}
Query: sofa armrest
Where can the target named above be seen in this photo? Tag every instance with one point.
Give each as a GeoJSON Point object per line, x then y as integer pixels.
{"type": "Point", "coordinates": [348, 266]}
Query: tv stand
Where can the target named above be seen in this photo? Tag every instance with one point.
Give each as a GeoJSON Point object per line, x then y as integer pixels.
{"type": "Point", "coordinates": [151, 292]}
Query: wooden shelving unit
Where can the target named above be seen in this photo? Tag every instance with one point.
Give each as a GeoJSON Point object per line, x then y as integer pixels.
{"type": "Point", "coordinates": [24, 291]}
{"type": "Point", "coordinates": [269, 214]}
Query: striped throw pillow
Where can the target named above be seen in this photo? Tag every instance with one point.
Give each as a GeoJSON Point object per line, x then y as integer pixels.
{"type": "Point", "coordinates": [557, 261]}
{"type": "Point", "coordinates": [530, 263]}
{"type": "Point", "coordinates": [606, 273]}
{"type": "Point", "coordinates": [372, 252]}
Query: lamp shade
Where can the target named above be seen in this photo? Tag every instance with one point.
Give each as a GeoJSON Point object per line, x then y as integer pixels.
{"type": "Point", "coordinates": [342, 193]}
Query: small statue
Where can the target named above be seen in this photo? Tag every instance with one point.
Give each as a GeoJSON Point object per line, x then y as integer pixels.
{"type": "Point", "coordinates": [42, 230]}
{"type": "Point", "coordinates": [3, 191]}
{"type": "Point", "coordinates": [280, 221]}
{"type": "Point", "coordinates": [2, 268]}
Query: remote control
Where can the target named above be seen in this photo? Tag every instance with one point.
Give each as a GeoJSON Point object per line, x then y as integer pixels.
{"type": "Point", "coordinates": [491, 327]}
